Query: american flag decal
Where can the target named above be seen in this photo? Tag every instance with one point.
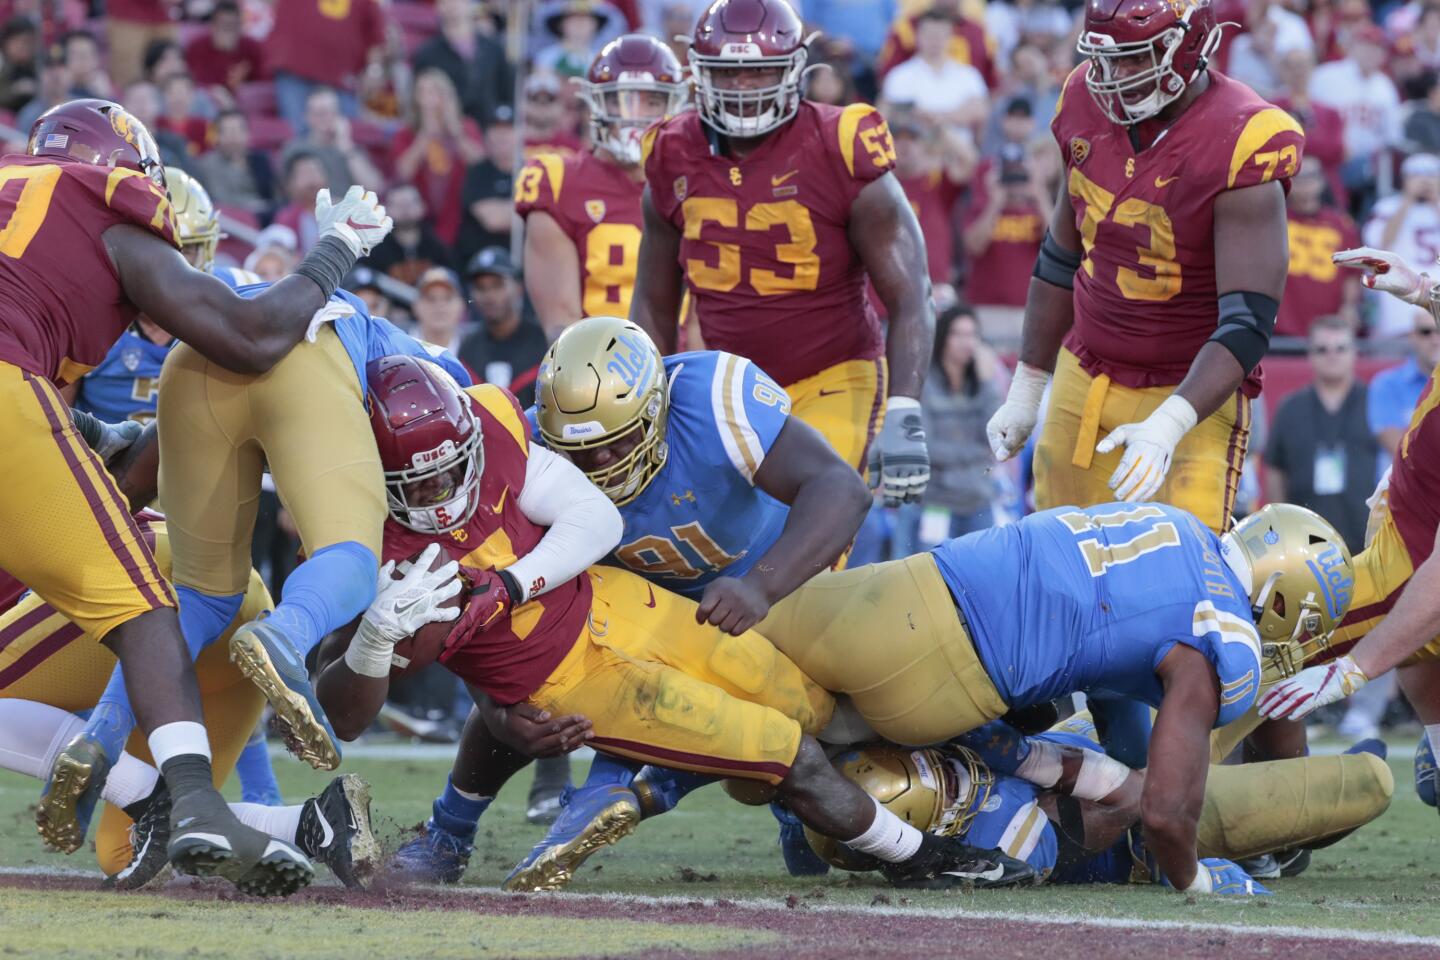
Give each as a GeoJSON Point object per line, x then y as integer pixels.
{"type": "Point", "coordinates": [58, 140]}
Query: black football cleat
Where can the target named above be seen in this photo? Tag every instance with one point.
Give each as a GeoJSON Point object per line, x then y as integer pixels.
{"type": "Point", "coordinates": [206, 840]}
{"type": "Point", "coordinates": [335, 829]}
{"type": "Point", "coordinates": [943, 863]}
{"type": "Point", "coordinates": [149, 837]}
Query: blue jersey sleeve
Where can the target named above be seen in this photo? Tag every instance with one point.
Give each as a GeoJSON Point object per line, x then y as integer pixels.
{"type": "Point", "coordinates": [1010, 820]}
{"type": "Point", "coordinates": [1232, 646]}
{"type": "Point", "coordinates": [749, 410]}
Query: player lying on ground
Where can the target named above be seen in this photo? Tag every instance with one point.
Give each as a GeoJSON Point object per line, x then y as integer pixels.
{"type": "Point", "coordinates": [92, 243]}
{"type": "Point", "coordinates": [726, 498]}
{"type": "Point", "coordinates": [656, 683]}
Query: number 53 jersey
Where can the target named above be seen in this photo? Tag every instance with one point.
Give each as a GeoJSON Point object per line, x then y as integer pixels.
{"type": "Point", "coordinates": [765, 245]}
{"type": "Point", "coordinates": [1145, 296]}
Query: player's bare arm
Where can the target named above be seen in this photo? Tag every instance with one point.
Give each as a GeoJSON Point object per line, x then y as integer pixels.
{"type": "Point", "coordinates": [1179, 760]}
{"type": "Point", "coordinates": [828, 502]}
{"type": "Point", "coordinates": [655, 306]}
{"type": "Point", "coordinates": [886, 236]}
{"type": "Point", "coordinates": [555, 291]}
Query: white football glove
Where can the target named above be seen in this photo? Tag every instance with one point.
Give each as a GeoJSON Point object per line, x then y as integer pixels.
{"type": "Point", "coordinates": [1149, 445]}
{"type": "Point", "coordinates": [402, 607]}
{"type": "Point", "coordinates": [1311, 689]}
{"type": "Point", "coordinates": [1013, 423]}
{"type": "Point", "coordinates": [116, 437]}
{"type": "Point", "coordinates": [358, 219]}
{"type": "Point", "coordinates": [1386, 272]}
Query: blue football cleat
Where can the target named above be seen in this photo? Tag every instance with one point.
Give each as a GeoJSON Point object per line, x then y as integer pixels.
{"type": "Point", "coordinates": [800, 859]}
{"type": "Point", "coordinates": [593, 817]}
{"type": "Point", "coordinates": [68, 800]}
{"type": "Point", "coordinates": [436, 856]}
{"type": "Point", "coordinates": [268, 659]}
{"type": "Point", "coordinates": [1425, 771]}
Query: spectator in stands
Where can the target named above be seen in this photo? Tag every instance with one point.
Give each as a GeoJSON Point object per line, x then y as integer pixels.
{"type": "Point", "coordinates": [1323, 125]}
{"type": "Point", "coordinates": [488, 193]}
{"type": "Point", "coordinates": [673, 21]}
{"type": "Point", "coordinates": [1271, 32]}
{"type": "Point", "coordinates": [1015, 127]}
{"type": "Point", "coordinates": [832, 84]}
{"type": "Point", "coordinates": [576, 26]}
{"type": "Point", "coordinates": [968, 43]}
{"type": "Point", "coordinates": [19, 66]}
{"type": "Point", "coordinates": [1422, 125]}
{"type": "Point", "coordinates": [236, 175]}
{"type": "Point", "coordinates": [315, 43]}
{"type": "Point", "coordinates": [1314, 286]}
{"type": "Point", "coordinates": [944, 89]}
{"type": "Point", "coordinates": [130, 27]}
{"type": "Point", "coordinates": [546, 128]}
{"type": "Point", "coordinates": [1012, 22]}
{"type": "Point", "coordinates": [1408, 224]}
{"type": "Point", "coordinates": [1369, 103]}
{"type": "Point", "coordinates": [328, 137]}
{"type": "Point", "coordinates": [365, 284]}
{"type": "Point", "coordinates": [223, 56]}
{"type": "Point", "coordinates": [412, 248]}
{"type": "Point", "coordinates": [1029, 81]}
{"type": "Point", "coordinates": [163, 59]}
{"type": "Point", "coordinates": [274, 256]}
{"type": "Point", "coordinates": [933, 165]}
{"type": "Point", "coordinates": [1321, 453]}
{"type": "Point", "coordinates": [854, 29]}
{"type": "Point", "coordinates": [471, 57]}
{"type": "Point", "coordinates": [81, 56]}
{"type": "Point", "coordinates": [143, 100]}
{"type": "Point", "coordinates": [439, 310]}
{"type": "Point", "coordinates": [1395, 391]}
{"type": "Point", "coordinates": [507, 348]}
{"type": "Point", "coordinates": [177, 98]}
{"type": "Point", "coordinates": [54, 87]}
{"type": "Point", "coordinates": [437, 147]}
{"type": "Point", "coordinates": [1004, 225]}
{"type": "Point", "coordinates": [305, 175]}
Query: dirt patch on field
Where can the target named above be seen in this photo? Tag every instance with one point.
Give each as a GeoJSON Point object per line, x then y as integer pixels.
{"type": "Point", "coordinates": [807, 930]}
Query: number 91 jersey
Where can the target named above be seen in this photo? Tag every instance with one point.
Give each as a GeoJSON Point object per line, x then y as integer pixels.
{"type": "Point", "coordinates": [597, 205]}
{"type": "Point", "coordinates": [1145, 297]}
{"type": "Point", "coordinates": [765, 244]}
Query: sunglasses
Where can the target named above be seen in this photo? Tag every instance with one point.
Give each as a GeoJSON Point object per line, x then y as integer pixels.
{"type": "Point", "coordinates": [1325, 348]}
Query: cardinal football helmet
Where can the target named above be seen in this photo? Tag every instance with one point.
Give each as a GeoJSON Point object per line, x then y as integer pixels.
{"type": "Point", "coordinates": [601, 380]}
{"type": "Point", "coordinates": [1144, 53]}
{"type": "Point", "coordinates": [195, 219]}
{"type": "Point", "coordinates": [738, 36]}
{"type": "Point", "coordinates": [617, 86]}
{"type": "Point", "coordinates": [99, 132]}
{"type": "Point", "coordinates": [425, 429]}
{"type": "Point", "coordinates": [936, 790]}
{"type": "Point", "coordinates": [1301, 581]}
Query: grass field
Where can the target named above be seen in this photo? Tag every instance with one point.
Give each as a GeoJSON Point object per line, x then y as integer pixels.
{"type": "Point", "coordinates": [720, 859]}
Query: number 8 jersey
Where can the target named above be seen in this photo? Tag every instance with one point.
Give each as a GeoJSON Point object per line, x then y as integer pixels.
{"type": "Point", "coordinates": [1145, 297]}
{"type": "Point", "coordinates": [764, 240]}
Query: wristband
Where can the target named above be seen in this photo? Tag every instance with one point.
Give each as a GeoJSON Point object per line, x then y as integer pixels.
{"type": "Point", "coordinates": [327, 263]}
{"type": "Point", "coordinates": [1201, 883]}
{"type": "Point", "coordinates": [1043, 765]}
{"type": "Point", "coordinates": [512, 587]}
{"type": "Point", "coordinates": [893, 404]}
{"type": "Point", "coordinates": [1099, 776]}
{"type": "Point", "coordinates": [370, 653]}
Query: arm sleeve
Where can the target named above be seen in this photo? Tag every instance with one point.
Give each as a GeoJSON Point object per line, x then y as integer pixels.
{"type": "Point", "coordinates": [584, 524]}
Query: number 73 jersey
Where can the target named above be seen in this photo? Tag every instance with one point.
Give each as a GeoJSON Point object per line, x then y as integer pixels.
{"type": "Point", "coordinates": [1145, 294]}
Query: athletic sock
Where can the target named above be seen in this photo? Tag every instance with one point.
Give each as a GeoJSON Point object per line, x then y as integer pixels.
{"type": "Point", "coordinates": [282, 823]}
{"type": "Point", "coordinates": [458, 813]}
{"type": "Point", "coordinates": [324, 593]}
{"type": "Point", "coordinates": [661, 789]}
{"type": "Point", "coordinates": [257, 775]}
{"type": "Point", "coordinates": [605, 769]}
{"type": "Point", "coordinates": [130, 780]}
{"type": "Point", "coordinates": [888, 837]}
{"type": "Point", "coordinates": [203, 617]}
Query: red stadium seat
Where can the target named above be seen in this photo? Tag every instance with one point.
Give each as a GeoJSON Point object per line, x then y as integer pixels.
{"type": "Point", "coordinates": [418, 18]}
{"type": "Point", "coordinates": [234, 247]}
{"type": "Point", "coordinates": [269, 133]}
{"type": "Point", "coordinates": [257, 99]}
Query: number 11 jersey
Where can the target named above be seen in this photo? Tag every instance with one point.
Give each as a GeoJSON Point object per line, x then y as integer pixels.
{"type": "Point", "coordinates": [1145, 295]}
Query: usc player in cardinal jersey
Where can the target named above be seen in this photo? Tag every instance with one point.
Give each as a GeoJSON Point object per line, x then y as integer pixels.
{"type": "Point", "coordinates": [772, 211]}
{"type": "Point", "coordinates": [582, 211]}
{"type": "Point", "coordinates": [1157, 286]}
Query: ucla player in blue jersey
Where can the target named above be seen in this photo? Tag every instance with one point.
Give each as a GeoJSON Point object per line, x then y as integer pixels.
{"type": "Point", "coordinates": [726, 498]}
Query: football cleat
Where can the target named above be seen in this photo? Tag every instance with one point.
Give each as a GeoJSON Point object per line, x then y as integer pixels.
{"type": "Point", "coordinates": [270, 660]}
{"type": "Point", "coordinates": [801, 860]}
{"type": "Point", "coordinates": [1425, 771]}
{"type": "Point", "coordinates": [149, 836]}
{"type": "Point", "coordinates": [335, 829]}
{"type": "Point", "coordinates": [436, 856]}
{"type": "Point", "coordinates": [206, 840]}
{"type": "Point", "coordinates": [76, 777]}
{"type": "Point", "coordinates": [948, 862]}
{"type": "Point", "coordinates": [593, 817]}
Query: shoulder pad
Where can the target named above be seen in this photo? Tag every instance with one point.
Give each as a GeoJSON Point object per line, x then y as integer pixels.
{"type": "Point", "coordinates": [502, 407]}
{"type": "Point", "coordinates": [862, 125]}
{"type": "Point", "coordinates": [1269, 148]}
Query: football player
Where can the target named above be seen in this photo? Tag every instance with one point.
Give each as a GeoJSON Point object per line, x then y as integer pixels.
{"type": "Point", "coordinates": [1065, 600]}
{"type": "Point", "coordinates": [90, 242]}
{"type": "Point", "coordinates": [1157, 286]}
{"type": "Point", "coordinates": [772, 211]}
{"type": "Point", "coordinates": [48, 668]}
{"type": "Point", "coordinates": [657, 684]}
{"type": "Point", "coordinates": [725, 498]}
{"type": "Point", "coordinates": [582, 210]}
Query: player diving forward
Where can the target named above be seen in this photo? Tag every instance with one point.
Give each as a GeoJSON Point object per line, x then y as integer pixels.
{"type": "Point", "coordinates": [726, 498]}
{"type": "Point", "coordinates": [90, 243]}
{"type": "Point", "coordinates": [658, 685]}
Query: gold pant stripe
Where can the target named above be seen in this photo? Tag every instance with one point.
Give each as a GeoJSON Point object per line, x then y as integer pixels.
{"type": "Point", "coordinates": [1089, 432]}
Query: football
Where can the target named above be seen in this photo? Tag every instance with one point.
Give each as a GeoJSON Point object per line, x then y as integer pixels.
{"type": "Point", "coordinates": [423, 647]}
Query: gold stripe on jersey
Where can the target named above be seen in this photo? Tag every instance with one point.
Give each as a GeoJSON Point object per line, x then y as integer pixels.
{"type": "Point", "coordinates": [164, 213]}
{"type": "Point", "coordinates": [850, 119]}
{"type": "Point", "coordinates": [1432, 399]}
{"type": "Point", "coordinates": [730, 374]}
{"type": "Point", "coordinates": [1258, 131]}
{"type": "Point", "coordinates": [493, 399]}
{"type": "Point", "coordinates": [554, 166]}
{"type": "Point", "coordinates": [647, 142]}
{"type": "Point", "coordinates": [1060, 100]}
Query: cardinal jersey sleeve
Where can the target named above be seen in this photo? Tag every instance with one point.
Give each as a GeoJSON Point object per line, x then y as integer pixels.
{"type": "Point", "coordinates": [539, 187]}
{"type": "Point", "coordinates": [1268, 148]}
{"type": "Point", "coordinates": [135, 197]}
{"type": "Point", "coordinates": [505, 410]}
{"type": "Point", "coordinates": [865, 145]}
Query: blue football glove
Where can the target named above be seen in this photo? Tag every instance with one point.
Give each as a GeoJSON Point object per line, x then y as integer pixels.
{"type": "Point", "coordinates": [999, 745]}
{"type": "Point", "coordinates": [1228, 879]}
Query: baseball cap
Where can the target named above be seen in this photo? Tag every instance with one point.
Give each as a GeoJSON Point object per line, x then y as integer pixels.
{"type": "Point", "coordinates": [361, 278]}
{"type": "Point", "coordinates": [437, 275]}
{"type": "Point", "coordinates": [1421, 165]}
{"type": "Point", "coordinates": [491, 260]}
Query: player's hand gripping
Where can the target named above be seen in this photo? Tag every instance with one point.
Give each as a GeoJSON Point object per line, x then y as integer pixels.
{"type": "Point", "coordinates": [400, 608]}
{"type": "Point", "coordinates": [734, 604]}
{"type": "Point", "coordinates": [1149, 445]}
{"type": "Point", "coordinates": [1386, 272]}
{"type": "Point", "coordinates": [1013, 423]}
{"type": "Point", "coordinates": [1224, 877]}
{"type": "Point", "coordinates": [359, 219]}
{"type": "Point", "coordinates": [899, 460]}
{"type": "Point", "coordinates": [1311, 689]}
{"type": "Point", "coordinates": [492, 595]}
{"type": "Point", "coordinates": [533, 732]}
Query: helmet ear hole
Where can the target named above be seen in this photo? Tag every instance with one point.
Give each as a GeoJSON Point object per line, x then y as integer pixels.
{"type": "Point", "coordinates": [1277, 603]}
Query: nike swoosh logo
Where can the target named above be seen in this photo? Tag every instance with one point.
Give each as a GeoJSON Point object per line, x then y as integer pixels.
{"type": "Point", "coordinates": [1162, 182]}
{"type": "Point", "coordinates": [651, 604]}
{"type": "Point", "coordinates": [350, 819]}
{"type": "Point", "coordinates": [350, 222]}
{"type": "Point", "coordinates": [994, 873]}
{"type": "Point", "coordinates": [402, 608]}
{"type": "Point", "coordinates": [501, 502]}
{"type": "Point", "coordinates": [137, 859]}
{"type": "Point", "coordinates": [185, 823]}
{"type": "Point", "coordinates": [828, 393]}
{"type": "Point", "coordinates": [776, 181]}
{"type": "Point", "coordinates": [324, 827]}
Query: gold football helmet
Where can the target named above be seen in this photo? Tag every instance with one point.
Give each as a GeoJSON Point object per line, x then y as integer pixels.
{"type": "Point", "coordinates": [1301, 582]}
{"type": "Point", "coordinates": [195, 218]}
{"type": "Point", "coordinates": [937, 790]}
{"type": "Point", "coordinates": [601, 381]}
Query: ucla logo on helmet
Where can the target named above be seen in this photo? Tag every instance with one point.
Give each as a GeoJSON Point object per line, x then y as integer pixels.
{"type": "Point", "coordinates": [1335, 583]}
{"type": "Point", "coordinates": [631, 361]}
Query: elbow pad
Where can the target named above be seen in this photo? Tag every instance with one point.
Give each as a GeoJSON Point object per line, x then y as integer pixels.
{"type": "Point", "coordinates": [1247, 320]}
{"type": "Point", "coordinates": [1056, 265]}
